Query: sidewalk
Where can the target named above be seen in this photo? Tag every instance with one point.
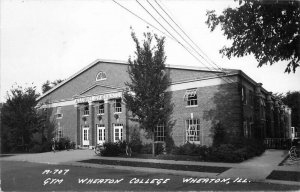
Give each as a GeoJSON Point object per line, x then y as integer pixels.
{"type": "Point", "coordinates": [51, 157]}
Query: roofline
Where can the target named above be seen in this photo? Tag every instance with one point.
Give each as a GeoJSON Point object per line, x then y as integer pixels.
{"type": "Point", "coordinates": [124, 63]}
{"type": "Point", "coordinates": [255, 83]}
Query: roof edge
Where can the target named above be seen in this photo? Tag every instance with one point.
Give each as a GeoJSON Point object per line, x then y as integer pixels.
{"type": "Point", "coordinates": [126, 63]}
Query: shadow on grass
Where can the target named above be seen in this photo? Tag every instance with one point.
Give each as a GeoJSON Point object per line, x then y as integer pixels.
{"type": "Point", "coordinates": [285, 175]}
{"type": "Point", "coordinates": [181, 167]}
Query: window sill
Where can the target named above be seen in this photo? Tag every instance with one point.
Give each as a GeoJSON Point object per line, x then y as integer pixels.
{"type": "Point", "coordinates": [117, 112]}
{"type": "Point", "coordinates": [194, 142]}
{"type": "Point", "coordinates": [191, 106]}
{"type": "Point", "coordinates": [100, 114]}
{"type": "Point", "coordinates": [85, 115]}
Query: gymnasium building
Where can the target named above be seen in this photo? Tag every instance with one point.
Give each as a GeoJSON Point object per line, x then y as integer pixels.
{"type": "Point", "coordinates": [88, 107]}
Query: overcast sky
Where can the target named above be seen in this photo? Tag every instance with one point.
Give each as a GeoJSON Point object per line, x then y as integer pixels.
{"type": "Point", "coordinates": [52, 39]}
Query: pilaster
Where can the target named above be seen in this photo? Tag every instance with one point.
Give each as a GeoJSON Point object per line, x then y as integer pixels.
{"type": "Point", "coordinates": [107, 121]}
{"type": "Point", "coordinates": [92, 124]}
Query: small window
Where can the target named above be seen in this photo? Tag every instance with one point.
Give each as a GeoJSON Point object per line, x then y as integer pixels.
{"type": "Point", "coordinates": [193, 131]}
{"type": "Point", "coordinates": [86, 111]}
{"type": "Point", "coordinates": [191, 97]}
{"type": "Point", "coordinates": [101, 107]}
{"type": "Point", "coordinates": [58, 113]}
{"type": "Point", "coordinates": [101, 76]}
{"type": "Point", "coordinates": [118, 105]}
{"type": "Point", "coordinates": [159, 133]}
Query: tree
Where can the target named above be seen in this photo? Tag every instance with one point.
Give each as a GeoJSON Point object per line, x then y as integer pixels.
{"type": "Point", "coordinates": [19, 116]}
{"type": "Point", "coordinates": [146, 97]}
{"type": "Point", "coordinates": [49, 85]}
{"type": "Point", "coordinates": [292, 99]}
{"type": "Point", "coordinates": [267, 29]}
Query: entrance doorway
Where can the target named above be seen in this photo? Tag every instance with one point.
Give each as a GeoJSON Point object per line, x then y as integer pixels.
{"type": "Point", "coordinates": [85, 136]}
{"type": "Point", "coordinates": [100, 134]}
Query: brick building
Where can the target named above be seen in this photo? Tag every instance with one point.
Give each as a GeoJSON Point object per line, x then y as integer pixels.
{"type": "Point", "coordinates": [88, 107]}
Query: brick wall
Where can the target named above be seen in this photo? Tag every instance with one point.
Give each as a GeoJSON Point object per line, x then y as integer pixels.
{"type": "Point", "coordinates": [216, 104]}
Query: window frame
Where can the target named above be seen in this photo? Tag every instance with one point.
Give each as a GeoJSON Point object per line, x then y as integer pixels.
{"type": "Point", "coordinates": [191, 97]}
{"type": "Point", "coordinates": [196, 137]}
{"type": "Point", "coordinates": [86, 111]}
{"type": "Point", "coordinates": [59, 132]}
{"type": "Point", "coordinates": [58, 113]}
{"type": "Point", "coordinates": [102, 76]}
{"type": "Point", "coordinates": [120, 128]}
{"type": "Point", "coordinates": [160, 133]}
{"type": "Point", "coordinates": [244, 95]}
{"type": "Point", "coordinates": [117, 109]}
{"type": "Point", "coordinates": [101, 109]}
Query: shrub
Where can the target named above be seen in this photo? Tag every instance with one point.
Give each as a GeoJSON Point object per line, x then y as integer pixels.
{"type": "Point", "coordinates": [237, 151]}
{"type": "Point", "coordinates": [36, 149]}
{"type": "Point", "coordinates": [146, 148]}
{"type": "Point", "coordinates": [136, 146]}
{"type": "Point", "coordinates": [191, 149]}
{"type": "Point", "coordinates": [135, 141]}
{"type": "Point", "coordinates": [72, 145]}
{"type": "Point", "coordinates": [113, 149]}
{"type": "Point", "coordinates": [63, 143]}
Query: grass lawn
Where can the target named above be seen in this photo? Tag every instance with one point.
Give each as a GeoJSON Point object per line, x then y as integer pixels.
{"type": "Point", "coordinates": [195, 168]}
{"type": "Point", "coordinates": [285, 175]}
{"type": "Point", "coordinates": [166, 157]}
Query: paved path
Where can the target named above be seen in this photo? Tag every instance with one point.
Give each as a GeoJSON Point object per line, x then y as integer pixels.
{"type": "Point", "coordinates": [257, 168]}
{"type": "Point", "coordinates": [53, 158]}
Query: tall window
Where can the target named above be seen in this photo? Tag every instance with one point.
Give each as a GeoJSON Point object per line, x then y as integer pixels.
{"type": "Point", "coordinates": [159, 133]}
{"type": "Point", "coordinates": [101, 107]}
{"type": "Point", "coordinates": [193, 131]}
{"type": "Point", "coordinates": [118, 132]}
{"type": "Point", "coordinates": [118, 105]}
{"type": "Point", "coordinates": [86, 110]}
{"type": "Point", "coordinates": [58, 113]}
{"type": "Point", "coordinates": [59, 132]}
{"type": "Point", "coordinates": [191, 97]}
{"type": "Point", "coordinates": [246, 134]}
{"type": "Point", "coordinates": [244, 95]}
{"type": "Point", "coordinates": [101, 76]}
{"type": "Point", "coordinates": [251, 98]}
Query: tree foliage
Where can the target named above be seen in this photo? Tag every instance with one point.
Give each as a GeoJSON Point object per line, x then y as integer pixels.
{"type": "Point", "coordinates": [267, 29]}
{"type": "Point", "coordinates": [292, 99]}
{"type": "Point", "coordinates": [49, 85]}
{"type": "Point", "coordinates": [19, 116]}
{"type": "Point", "coordinates": [146, 97]}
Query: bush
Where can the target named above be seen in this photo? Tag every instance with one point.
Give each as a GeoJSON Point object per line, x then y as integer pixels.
{"type": "Point", "coordinates": [36, 149]}
{"type": "Point", "coordinates": [146, 148]}
{"type": "Point", "coordinates": [63, 143]}
{"type": "Point", "coordinates": [40, 147]}
{"type": "Point", "coordinates": [135, 141]}
{"type": "Point", "coordinates": [236, 151]}
{"type": "Point", "coordinates": [191, 149]}
{"type": "Point", "coordinates": [113, 149]}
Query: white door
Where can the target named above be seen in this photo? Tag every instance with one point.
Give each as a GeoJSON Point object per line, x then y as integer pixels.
{"type": "Point", "coordinates": [118, 132]}
{"type": "Point", "coordinates": [100, 134]}
{"type": "Point", "coordinates": [85, 136]}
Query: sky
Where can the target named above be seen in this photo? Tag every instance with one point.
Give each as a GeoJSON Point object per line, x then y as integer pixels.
{"type": "Point", "coordinates": [53, 39]}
